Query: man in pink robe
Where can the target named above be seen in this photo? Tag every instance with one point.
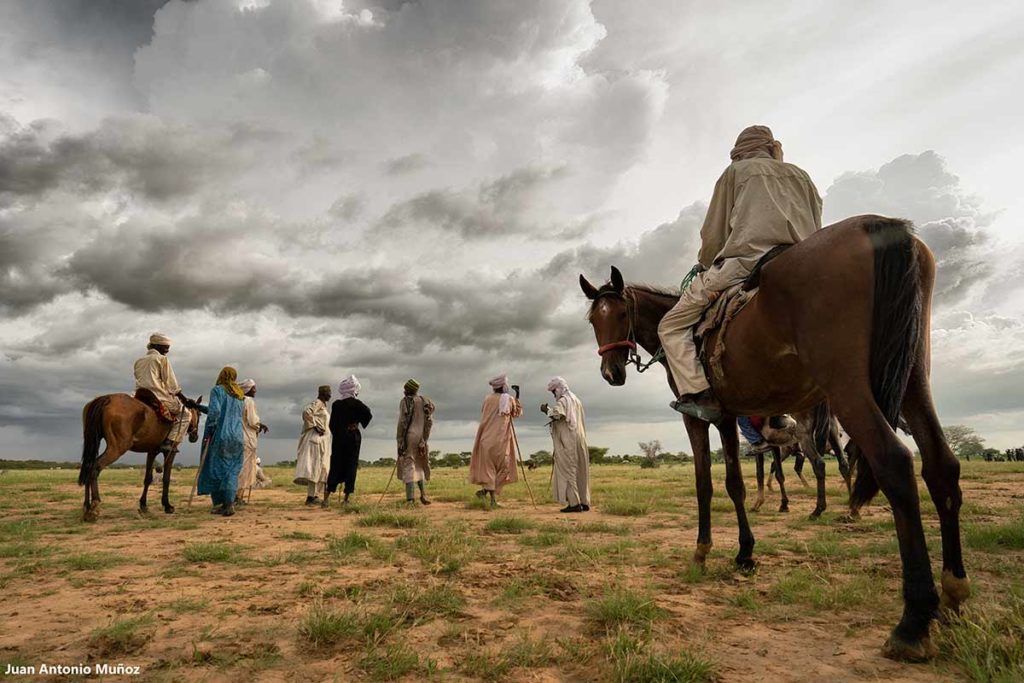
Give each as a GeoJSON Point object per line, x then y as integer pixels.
{"type": "Point", "coordinates": [493, 463]}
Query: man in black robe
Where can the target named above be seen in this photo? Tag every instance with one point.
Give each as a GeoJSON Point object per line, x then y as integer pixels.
{"type": "Point", "coordinates": [347, 414]}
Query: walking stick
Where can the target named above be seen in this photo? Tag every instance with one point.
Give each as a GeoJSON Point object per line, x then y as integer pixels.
{"type": "Point", "coordinates": [195, 482]}
{"type": "Point", "coordinates": [248, 497]}
{"type": "Point", "coordinates": [522, 467]}
{"type": "Point", "coordinates": [393, 470]}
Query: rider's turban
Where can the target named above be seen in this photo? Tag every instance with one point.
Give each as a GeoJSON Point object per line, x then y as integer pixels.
{"type": "Point", "coordinates": [753, 141]}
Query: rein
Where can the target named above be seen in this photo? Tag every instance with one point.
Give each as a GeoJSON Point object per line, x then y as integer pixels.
{"type": "Point", "coordinates": [633, 351]}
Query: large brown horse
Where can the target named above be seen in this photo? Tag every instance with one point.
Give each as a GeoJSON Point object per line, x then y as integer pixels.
{"type": "Point", "coordinates": [843, 316]}
{"type": "Point", "coordinates": [126, 424]}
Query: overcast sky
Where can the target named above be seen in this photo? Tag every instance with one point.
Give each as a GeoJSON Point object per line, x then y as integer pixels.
{"type": "Point", "coordinates": [309, 188]}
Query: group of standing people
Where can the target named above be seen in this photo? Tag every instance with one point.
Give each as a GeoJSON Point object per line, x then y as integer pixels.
{"type": "Point", "coordinates": [331, 438]}
{"type": "Point", "coordinates": [328, 453]}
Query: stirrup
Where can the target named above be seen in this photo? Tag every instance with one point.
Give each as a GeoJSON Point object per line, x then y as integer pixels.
{"type": "Point", "coordinates": [693, 410]}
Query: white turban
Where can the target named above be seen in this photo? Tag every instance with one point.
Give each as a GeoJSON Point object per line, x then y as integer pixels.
{"type": "Point", "coordinates": [349, 388]}
{"type": "Point", "coordinates": [246, 385]}
{"type": "Point", "coordinates": [159, 339]}
{"type": "Point", "coordinates": [501, 383]}
{"type": "Point", "coordinates": [560, 388]}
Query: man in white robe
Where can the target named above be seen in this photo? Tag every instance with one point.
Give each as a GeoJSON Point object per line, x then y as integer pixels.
{"type": "Point", "coordinates": [570, 481]}
{"type": "Point", "coordinates": [313, 458]}
{"type": "Point", "coordinates": [154, 375]}
{"type": "Point", "coordinates": [251, 429]}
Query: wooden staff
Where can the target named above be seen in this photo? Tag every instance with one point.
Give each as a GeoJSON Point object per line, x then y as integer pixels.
{"type": "Point", "coordinates": [393, 470]}
{"type": "Point", "coordinates": [195, 482]}
{"type": "Point", "coordinates": [522, 467]}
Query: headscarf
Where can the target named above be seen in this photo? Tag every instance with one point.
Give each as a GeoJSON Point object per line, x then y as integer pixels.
{"type": "Point", "coordinates": [755, 141]}
{"type": "Point", "coordinates": [159, 339]}
{"type": "Point", "coordinates": [226, 379]}
{"type": "Point", "coordinates": [501, 383]}
{"type": "Point", "coordinates": [247, 385]}
{"type": "Point", "coordinates": [411, 386]}
{"type": "Point", "coordinates": [560, 388]}
{"type": "Point", "coordinates": [348, 388]}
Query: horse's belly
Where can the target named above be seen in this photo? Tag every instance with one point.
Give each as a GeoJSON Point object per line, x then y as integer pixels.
{"type": "Point", "coordinates": [774, 385]}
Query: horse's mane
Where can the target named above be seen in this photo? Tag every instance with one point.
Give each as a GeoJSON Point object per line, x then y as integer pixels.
{"type": "Point", "coordinates": [642, 287]}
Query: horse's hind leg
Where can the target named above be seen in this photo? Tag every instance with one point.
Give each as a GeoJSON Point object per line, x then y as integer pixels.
{"type": "Point", "coordinates": [941, 472]}
{"type": "Point", "coordinates": [844, 464]}
{"type": "Point", "coordinates": [697, 430]}
{"type": "Point", "coordinates": [147, 480]}
{"type": "Point", "coordinates": [737, 491]}
{"type": "Point", "coordinates": [798, 466]}
{"type": "Point", "coordinates": [164, 499]}
{"type": "Point", "coordinates": [760, 482]}
{"type": "Point", "coordinates": [818, 465]}
{"type": "Point", "coordinates": [780, 477]}
{"type": "Point", "coordinates": [893, 468]}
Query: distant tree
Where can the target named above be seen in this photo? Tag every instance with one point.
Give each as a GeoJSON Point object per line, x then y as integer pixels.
{"type": "Point", "coordinates": [597, 454]}
{"type": "Point", "coordinates": [384, 462]}
{"type": "Point", "coordinates": [453, 460]}
{"type": "Point", "coordinates": [651, 450]}
{"type": "Point", "coordinates": [964, 441]}
{"type": "Point", "coordinates": [541, 458]}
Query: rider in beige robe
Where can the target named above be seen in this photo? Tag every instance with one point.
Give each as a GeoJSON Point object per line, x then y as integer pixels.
{"type": "Point", "coordinates": [153, 373]}
{"type": "Point", "coordinates": [493, 462]}
{"type": "Point", "coordinates": [759, 203]}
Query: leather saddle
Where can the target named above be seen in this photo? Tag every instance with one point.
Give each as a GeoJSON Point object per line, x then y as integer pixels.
{"type": "Point", "coordinates": [149, 398]}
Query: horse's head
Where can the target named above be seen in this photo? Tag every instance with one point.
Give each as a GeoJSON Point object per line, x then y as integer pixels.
{"type": "Point", "coordinates": [609, 317]}
{"type": "Point", "coordinates": [193, 421]}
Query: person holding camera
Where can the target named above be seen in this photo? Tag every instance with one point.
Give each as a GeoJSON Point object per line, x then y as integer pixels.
{"type": "Point", "coordinates": [495, 451]}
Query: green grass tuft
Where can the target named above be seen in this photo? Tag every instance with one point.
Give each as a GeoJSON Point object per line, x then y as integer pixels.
{"type": "Point", "coordinates": [395, 520]}
{"type": "Point", "coordinates": [122, 636]}
{"type": "Point", "coordinates": [994, 538]}
{"type": "Point", "coordinates": [213, 551]}
{"type": "Point", "coordinates": [91, 561]}
{"type": "Point", "coordinates": [988, 643]}
{"type": "Point", "coordinates": [508, 525]}
{"type": "Point", "coordinates": [621, 606]}
{"type": "Point", "coordinates": [322, 627]}
{"type": "Point", "coordinates": [389, 663]}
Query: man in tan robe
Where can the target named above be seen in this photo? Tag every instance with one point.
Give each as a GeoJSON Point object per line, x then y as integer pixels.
{"type": "Point", "coordinates": [493, 462]}
{"type": "Point", "coordinates": [759, 203]}
{"type": "Point", "coordinates": [313, 456]}
{"type": "Point", "coordinates": [251, 429]}
{"type": "Point", "coordinates": [415, 419]}
{"type": "Point", "coordinates": [154, 375]}
{"type": "Point", "coordinates": [570, 480]}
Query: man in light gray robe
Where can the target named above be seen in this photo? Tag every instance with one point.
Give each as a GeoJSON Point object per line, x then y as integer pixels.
{"type": "Point", "coordinates": [314, 452]}
{"type": "Point", "coordinates": [570, 481]}
{"type": "Point", "coordinates": [415, 419]}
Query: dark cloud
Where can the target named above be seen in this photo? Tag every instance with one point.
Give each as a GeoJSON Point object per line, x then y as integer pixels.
{"type": "Point", "coordinates": [409, 163]}
{"type": "Point", "coordinates": [348, 207]}
{"type": "Point", "coordinates": [502, 207]}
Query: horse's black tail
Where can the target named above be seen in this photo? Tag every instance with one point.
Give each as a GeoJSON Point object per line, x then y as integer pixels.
{"type": "Point", "coordinates": [92, 434]}
{"type": "Point", "coordinates": [895, 329]}
{"type": "Point", "coordinates": [822, 428]}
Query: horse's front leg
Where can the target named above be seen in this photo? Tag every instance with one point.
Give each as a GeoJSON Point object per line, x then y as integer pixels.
{"type": "Point", "coordinates": [818, 465]}
{"type": "Point", "coordinates": [737, 491]}
{"type": "Point", "coordinates": [697, 430]}
{"type": "Point", "coordinates": [146, 481]}
{"type": "Point", "coordinates": [164, 498]}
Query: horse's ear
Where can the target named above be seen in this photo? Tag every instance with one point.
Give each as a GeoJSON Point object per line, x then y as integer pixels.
{"type": "Point", "coordinates": [200, 399]}
{"type": "Point", "coordinates": [588, 289]}
{"type": "Point", "coordinates": [617, 282]}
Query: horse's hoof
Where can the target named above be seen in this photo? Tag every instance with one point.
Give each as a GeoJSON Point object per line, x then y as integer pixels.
{"type": "Point", "coordinates": [756, 506]}
{"type": "Point", "coordinates": [746, 564]}
{"type": "Point", "coordinates": [143, 510]}
{"type": "Point", "coordinates": [168, 509]}
{"type": "Point", "coordinates": [701, 553]}
{"type": "Point", "coordinates": [89, 516]}
{"type": "Point", "coordinates": [815, 515]}
{"type": "Point", "coordinates": [954, 592]}
{"type": "Point", "coordinates": [909, 651]}
{"type": "Point", "coordinates": [784, 507]}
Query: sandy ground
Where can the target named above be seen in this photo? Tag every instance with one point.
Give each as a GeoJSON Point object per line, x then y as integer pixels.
{"type": "Point", "coordinates": [238, 619]}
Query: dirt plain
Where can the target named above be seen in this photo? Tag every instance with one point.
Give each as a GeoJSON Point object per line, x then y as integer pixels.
{"type": "Point", "coordinates": [453, 591]}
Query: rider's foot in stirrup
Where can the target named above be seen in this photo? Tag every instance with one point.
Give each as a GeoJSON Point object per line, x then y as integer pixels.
{"type": "Point", "coordinates": [703, 406]}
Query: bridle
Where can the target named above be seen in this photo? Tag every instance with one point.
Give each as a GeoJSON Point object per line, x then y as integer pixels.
{"type": "Point", "coordinates": [633, 351]}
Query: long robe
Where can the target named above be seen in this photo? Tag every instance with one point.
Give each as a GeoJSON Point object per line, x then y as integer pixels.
{"type": "Point", "coordinates": [493, 462]}
{"type": "Point", "coordinates": [154, 373]}
{"type": "Point", "coordinates": [570, 481]}
{"type": "Point", "coordinates": [313, 455]}
{"type": "Point", "coordinates": [347, 415]}
{"type": "Point", "coordinates": [251, 432]}
{"type": "Point", "coordinates": [225, 446]}
{"type": "Point", "coordinates": [415, 420]}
